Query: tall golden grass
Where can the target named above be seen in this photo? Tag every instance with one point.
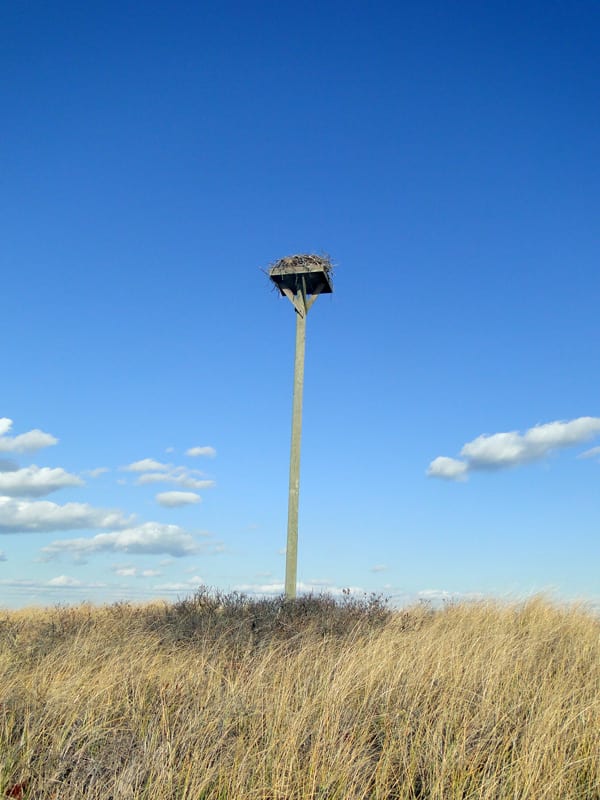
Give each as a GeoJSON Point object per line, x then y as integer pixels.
{"type": "Point", "coordinates": [225, 698]}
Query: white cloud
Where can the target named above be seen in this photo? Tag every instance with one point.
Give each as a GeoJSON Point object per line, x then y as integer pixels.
{"type": "Point", "coordinates": [154, 477]}
{"type": "Point", "coordinates": [260, 588]}
{"type": "Point", "coordinates": [180, 586]}
{"type": "Point", "coordinates": [20, 582]}
{"type": "Point", "coordinates": [310, 587]}
{"type": "Point", "coordinates": [36, 481]}
{"type": "Point", "coordinates": [150, 538]}
{"type": "Point", "coordinates": [175, 499]}
{"type": "Point", "coordinates": [595, 451]}
{"type": "Point", "coordinates": [172, 587]}
{"type": "Point", "coordinates": [379, 568]}
{"type": "Point", "coordinates": [128, 571]}
{"type": "Point", "coordinates": [25, 442]}
{"type": "Point", "coordinates": [3, 556]}
{"type": "Point", "coordinates": [24, 516]}
{"type": "Point", "coordinates": [95, 473]}
{"type": "Point", "coordinates": [158, 472]}
{"type": "Point", "coordinates": [125, 572]}
{"type": "Point", "coordinates": [64, 580]}
{"type": "Point", "coordinates": [178, 476]}
{"type": "Point", "coordinates": [60, 582]}
{"type": "Point", "coordinates": [449, 468]}
{"type": "Point", "coordinates": [207, 451]}
{"type": "Point", "coordinates": [145, 465]}
{"type": "Point", "coordinates": [506, 449]}
{"type": "Point", "coordinates": [500, 450]}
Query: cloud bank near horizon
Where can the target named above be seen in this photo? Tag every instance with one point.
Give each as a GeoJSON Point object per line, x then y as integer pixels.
{"type": "Point", "coordinates": [491, 452]}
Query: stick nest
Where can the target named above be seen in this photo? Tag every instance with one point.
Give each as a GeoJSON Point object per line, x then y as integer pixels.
{"type": "Point", "coordinates": [306, 260]}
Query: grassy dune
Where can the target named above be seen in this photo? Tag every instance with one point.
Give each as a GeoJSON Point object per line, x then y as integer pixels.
{"type": "Point", "coordinates": [227, 698]}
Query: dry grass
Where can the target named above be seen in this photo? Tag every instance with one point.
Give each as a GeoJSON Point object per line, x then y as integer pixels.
{"type": "Point", "coordinates": [225, 698]}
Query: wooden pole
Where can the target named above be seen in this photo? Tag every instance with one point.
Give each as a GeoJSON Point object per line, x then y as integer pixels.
{"type": "Point", "coordinates": [291, 557]}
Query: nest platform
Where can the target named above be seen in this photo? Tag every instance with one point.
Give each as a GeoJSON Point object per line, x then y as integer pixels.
{"type": "Point", "coordinates": [291, 272]}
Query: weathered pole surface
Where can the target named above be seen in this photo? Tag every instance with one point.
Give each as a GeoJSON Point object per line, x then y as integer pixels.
{"type": "Point", "coordinates": [291, 556]}
{"type": "Point", "coordinates": [300, 278]}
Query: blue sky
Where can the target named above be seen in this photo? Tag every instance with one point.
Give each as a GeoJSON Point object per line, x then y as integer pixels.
{"type": "Point", "coordinates": [156, 155]}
